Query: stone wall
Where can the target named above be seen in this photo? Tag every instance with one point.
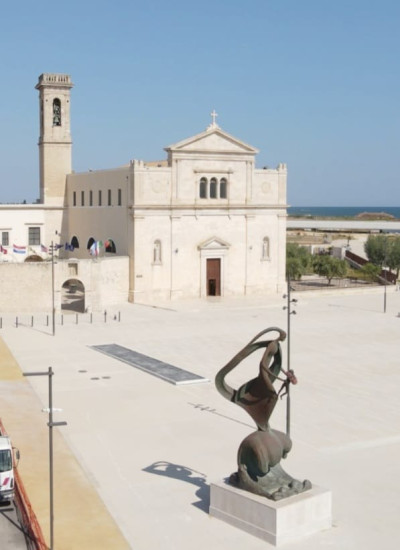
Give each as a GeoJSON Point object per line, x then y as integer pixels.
{"type": "Point", "coordinates": [27, 287]}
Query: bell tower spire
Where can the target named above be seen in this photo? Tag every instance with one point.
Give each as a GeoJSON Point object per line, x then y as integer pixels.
{"type": "Point", "coordinates": [55, 144]}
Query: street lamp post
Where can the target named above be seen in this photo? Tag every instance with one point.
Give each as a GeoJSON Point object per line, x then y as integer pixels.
{"type": "Point", "coordinates": [290, 301]}
{"type": "Point", "coordinates": [50, 424]}
{"type": "Point", "coordinates": [385, 272]}
{"type": "Point", "coordinates": [384, 294]}
{"type": "Point", "coordinates": [53, 307]}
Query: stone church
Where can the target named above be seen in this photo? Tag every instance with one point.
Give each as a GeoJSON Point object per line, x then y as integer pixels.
{"type": "Point", "coordinates": [204, 221]}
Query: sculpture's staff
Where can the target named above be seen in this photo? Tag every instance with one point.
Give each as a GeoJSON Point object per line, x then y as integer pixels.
{"type": "Point", "coordinates": [290, 379]}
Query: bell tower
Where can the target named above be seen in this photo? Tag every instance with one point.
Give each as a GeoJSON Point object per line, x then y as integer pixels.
{"type": "Point", "coordinates": [55, 144]}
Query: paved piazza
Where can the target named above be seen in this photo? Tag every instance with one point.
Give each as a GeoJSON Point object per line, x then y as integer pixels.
{"type": "Point", "coordinates": [150, 448]}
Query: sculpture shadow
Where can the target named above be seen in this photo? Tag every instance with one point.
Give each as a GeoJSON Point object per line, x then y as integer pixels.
{"type": "Point", "coordinates": [177, 471]}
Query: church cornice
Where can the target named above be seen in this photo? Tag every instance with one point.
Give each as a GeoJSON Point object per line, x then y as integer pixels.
{"type": "Point", "coordinates": [223, 209]}
{"type": "Point", "coordinates": [38, 206]}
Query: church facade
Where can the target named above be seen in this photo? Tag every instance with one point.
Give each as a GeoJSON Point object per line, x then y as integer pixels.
{"type": "Point", "coordinates": [204, 221]}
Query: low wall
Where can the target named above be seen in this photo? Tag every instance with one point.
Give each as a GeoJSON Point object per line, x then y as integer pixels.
{"type": "Point", "coordinates": [27, 287]}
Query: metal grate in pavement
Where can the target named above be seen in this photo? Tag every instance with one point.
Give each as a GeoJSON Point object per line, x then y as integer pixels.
{"type": "Point", "coordinates": [165, 371]}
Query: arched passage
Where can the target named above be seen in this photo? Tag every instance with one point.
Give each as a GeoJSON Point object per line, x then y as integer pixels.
{"type": "Point", "coordinates": [33, 258]}
{"type": "Point", "coordinates": [73, 296]}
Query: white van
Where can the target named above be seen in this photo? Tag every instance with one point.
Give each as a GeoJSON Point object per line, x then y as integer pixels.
{"type": "Point", "coordinates": [6, 469]}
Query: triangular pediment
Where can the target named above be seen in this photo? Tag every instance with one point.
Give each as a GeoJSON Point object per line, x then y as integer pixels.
{"type": "Point", "coordinates": [213, 244]}
{"type": "Point", "coordinates": [212, 140]}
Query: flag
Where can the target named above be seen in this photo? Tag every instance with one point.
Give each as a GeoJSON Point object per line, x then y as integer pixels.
{"type": "Point", "coordinates": [19, 249]}
{"type": "Point", "coordinates": [44, 248]}
{"type": "Point", "coordinates": [69, 247]}
{"type": "Point", "coordinates": [93, 249]}
{"type": "Point", "coordinates": [55, 247]}
{"type": "Point", "coordinates": [3, 250]}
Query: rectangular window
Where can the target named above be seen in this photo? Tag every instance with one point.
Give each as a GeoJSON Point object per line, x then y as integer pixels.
{"type": "Point", "coordinates": [109, 197]}
{"type": "Point", "coordinates": [5, 238]}
{"type": "Point", "coordinates": [82, 198]}
{"type": "Point", "coordinates": [90, 198]}
{"type": "Point", "coordinates": [99, 197]}
{"type": "Point", "coordinates": [34, 235]}
{"type": "Point", "coordinates": [119, 197]}
{"type": "Point", "coordinates": [73, 270]}
{"type": "Point", "coordinates": [74, 198]}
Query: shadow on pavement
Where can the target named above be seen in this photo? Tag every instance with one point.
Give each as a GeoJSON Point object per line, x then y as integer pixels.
{"type": "Point", "coordinates": [176, 471]}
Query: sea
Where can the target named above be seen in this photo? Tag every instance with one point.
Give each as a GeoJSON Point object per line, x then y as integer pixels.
{"type": "Point", "coordinates": [340, 211]}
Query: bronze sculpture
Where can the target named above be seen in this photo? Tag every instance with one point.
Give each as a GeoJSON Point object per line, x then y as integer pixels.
{"type": "Point", "coordinates": [260, 453]}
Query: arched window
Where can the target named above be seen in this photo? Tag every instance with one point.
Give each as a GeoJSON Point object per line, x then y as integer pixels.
{"type": "Point", "coordinates": [213, 188]}
{"type": "Point", "coordinates": [203, 188]}
{"type": "Point", "coordinates": [222, 188]}
{"type": "Point", "coordinates": [110, 246]}
{"type": "Point", "coordinates": [265, 248]}
{"type": "Point", "coordinates": [157, 252]}
{"type": "Point", "coordinates": [56, 112]}
{"type": "Point", "coordinates": [90, 242]}
{"type": "Point", "coordinates": [75, 242]}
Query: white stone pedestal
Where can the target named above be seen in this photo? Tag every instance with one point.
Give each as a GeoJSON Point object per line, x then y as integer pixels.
{"type": "Point", "coordinates": [278, 522]}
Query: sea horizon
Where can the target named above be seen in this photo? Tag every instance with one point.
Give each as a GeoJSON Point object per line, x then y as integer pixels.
{"type": "Point", "coordinates": [341, 211]}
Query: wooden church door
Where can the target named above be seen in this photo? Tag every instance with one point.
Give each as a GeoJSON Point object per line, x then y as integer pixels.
{"type": "Point", "coordinates": [213, 277]}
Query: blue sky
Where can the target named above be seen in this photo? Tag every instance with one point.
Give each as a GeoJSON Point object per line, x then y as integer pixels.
{"type": "Point", "coordinates": [312, 83]}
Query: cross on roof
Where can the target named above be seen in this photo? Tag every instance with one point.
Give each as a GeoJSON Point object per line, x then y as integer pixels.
{"type": "Point", "coordinates": [214, 116]}
{"type": "Point", "coordinates": [213, 122]}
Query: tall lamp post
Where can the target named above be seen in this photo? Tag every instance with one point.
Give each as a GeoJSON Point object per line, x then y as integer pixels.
{"type": "Point", "coordinates": [53, 307]}
{"type": "Point", "coordinates": [50, 424]}
{"type": "Point", "coordinates": [290, 302]}
{"type": "Point", "coordinates": [384, 295]}
{"type": "Point", "coordinates": [385, 272]}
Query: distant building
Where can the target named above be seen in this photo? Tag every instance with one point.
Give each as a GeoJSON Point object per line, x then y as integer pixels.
{"type": "Point", "coordinates": [202, 222]}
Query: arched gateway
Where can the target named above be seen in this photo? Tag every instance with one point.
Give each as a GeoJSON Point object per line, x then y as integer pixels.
{"type": "Point", "coordinates": [73, 296]}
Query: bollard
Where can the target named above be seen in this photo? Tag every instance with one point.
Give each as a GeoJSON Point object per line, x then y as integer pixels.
{"type": "Point", "coordinates": [47, 320]}
{"type": "Point", "coordinates": [119, 316]}
{"type": "Point", "coordinates": [32, 321]}
{"type": "Point", "coordinates": [1, 322]}
{"type": "Point", "coordinates": [76, 318]}
{"type": "Point", "coordinates": [105, 316]}
{"type": "Point", "coordinates": [62, 319]}
{"type": "Point", "coordinates": [16, 322]}
{"type": "Point", "coordinates": [91, 318]}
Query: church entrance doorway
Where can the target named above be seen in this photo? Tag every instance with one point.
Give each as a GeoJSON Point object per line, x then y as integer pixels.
{"type": "Point", "coordinates": [213, 277]}
{"type": "Point", "coordinates": [73, 296]}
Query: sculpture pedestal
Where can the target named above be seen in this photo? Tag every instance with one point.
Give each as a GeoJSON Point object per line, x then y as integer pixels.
{"type": "Point", "coordinates": [279, 522]}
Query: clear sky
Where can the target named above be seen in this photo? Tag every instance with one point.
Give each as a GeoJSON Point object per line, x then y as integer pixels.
{"type": "Point", "coordinates": [312, 83]}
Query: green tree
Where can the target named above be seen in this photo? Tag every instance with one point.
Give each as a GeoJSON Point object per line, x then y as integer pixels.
{"type": "Point", "coordinates": [294, 269]}
{"type": "Point", "coordinates": [393, 257]}
{"type": "Point", "coordinates": [370, 272]}
{"type": "Point", "coordinates": [329, 267]}
{"type": "Point", "coordinates": [298, 261]}
{"type": "Point", "coordinates": [376, 248]}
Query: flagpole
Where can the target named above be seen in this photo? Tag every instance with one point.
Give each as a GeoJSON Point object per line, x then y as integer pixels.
{"type": "Point", "coordinates": [53, 309]}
